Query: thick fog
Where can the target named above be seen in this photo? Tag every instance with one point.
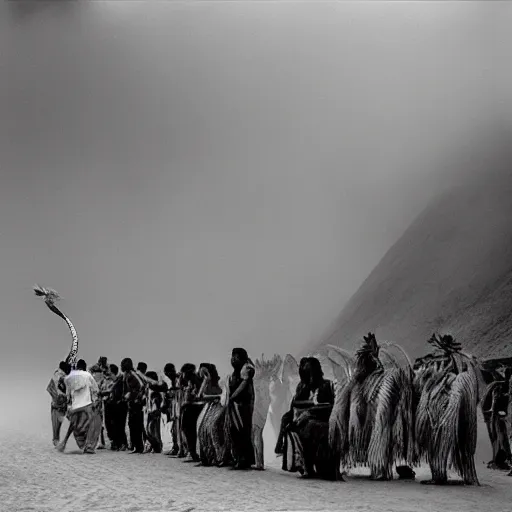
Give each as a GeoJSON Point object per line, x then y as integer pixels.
{"type": "Point", "coordinates": [194, 176]}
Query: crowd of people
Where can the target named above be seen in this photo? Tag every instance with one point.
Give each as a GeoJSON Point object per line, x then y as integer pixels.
{"type": "Point", "coordinates": [209, 425]}
{"type": "Point", "coordinates": [105, 398]}
{"type": "Point", "coordinates": [375, 413]}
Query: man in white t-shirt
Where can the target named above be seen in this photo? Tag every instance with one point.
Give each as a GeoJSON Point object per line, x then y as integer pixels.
{"type": "Point", "coordinates": [82, 391]}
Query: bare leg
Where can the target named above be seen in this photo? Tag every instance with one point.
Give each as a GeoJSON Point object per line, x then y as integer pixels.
{"type": "Point", "coordinates": [62, 445]}
{"type": "Point", "coordinates": [102, 439]}
{"type": "Point", "coordinates": [57, 417]}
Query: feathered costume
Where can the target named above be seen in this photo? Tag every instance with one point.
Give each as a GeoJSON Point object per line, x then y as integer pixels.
{"type": "Point", "coordinates": [266, 370]}
{"type": "Point", "coordinates": [372, 420]}
{"type": "Point", "coordinates": [447, 386]}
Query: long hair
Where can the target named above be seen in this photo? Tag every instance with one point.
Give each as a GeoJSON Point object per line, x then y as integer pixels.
{"type": "Point", "coordinates": [315, 370]}
{"type": "Point", "coordinates": [303, 374]}
{"type": "Point", "coordinates": [209, 371]}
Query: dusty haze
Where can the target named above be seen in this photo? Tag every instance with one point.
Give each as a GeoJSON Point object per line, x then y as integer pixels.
{"type": "Point", "coordinates": [450, 272]}
{"type": "Point", "coordinates": [192, 176]}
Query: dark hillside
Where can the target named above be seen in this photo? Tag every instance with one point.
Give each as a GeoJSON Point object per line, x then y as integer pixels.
{"type": "Point", "coordinates": [451, 271]}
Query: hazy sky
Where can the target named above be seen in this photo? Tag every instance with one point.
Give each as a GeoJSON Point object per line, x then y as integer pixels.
{"type": "Point", "coordinates": [193, 176]}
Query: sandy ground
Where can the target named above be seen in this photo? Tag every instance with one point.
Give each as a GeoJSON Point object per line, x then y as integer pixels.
{"type": "Point", "coordinates": [35, 477]}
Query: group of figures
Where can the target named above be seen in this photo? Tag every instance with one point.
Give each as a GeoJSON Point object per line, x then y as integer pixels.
{"type": "Point", "coordinates": [497, 410]}
{"type": "Point", "coordinates": [379, 410]}
{"type": "Point", "coordinates": [210, 426]}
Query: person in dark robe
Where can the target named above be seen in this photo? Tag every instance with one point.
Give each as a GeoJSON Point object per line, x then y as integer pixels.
{"type": "Point", "coordinates": [240, 408]}
{"type": "Point", "coordinates": [190, 409]}
{"type": "Point", "coordinates": [134, 395]}
{"type": "Point", "coordinates": [302, 392]}
{"type": "Point", "coordinates": [141, 370]}
{"type": "Point", "coordinates": [306, 442]}
{"type": "Point", "coordinates": [119, 408]}
{"type": "Point", "coordinates": [170, 406]}
{"type": "Point", "coordinates": [107, 385]}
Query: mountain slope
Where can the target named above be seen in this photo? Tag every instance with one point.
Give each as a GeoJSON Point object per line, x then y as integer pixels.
{"type": "Point", "coordinates": [451, 271]}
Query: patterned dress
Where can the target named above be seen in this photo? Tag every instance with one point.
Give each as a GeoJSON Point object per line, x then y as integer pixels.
{"type": "Point", "coordinates": [211, 445]}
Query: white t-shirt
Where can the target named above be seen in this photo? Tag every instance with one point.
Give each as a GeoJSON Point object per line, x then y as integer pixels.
{"type": "Point", "coordinates": [81, 387]}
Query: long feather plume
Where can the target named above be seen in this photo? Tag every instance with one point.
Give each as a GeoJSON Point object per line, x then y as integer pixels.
{"type": "Point", "coordinates": [51, 297]}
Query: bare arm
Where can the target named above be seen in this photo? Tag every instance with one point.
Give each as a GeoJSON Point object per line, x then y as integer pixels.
{"type": "Point", "coordinates": [51, 388]}
{"type": "Point", "coordinates": [211, 398]}
{"type": "Point", "coordinates": [95, 391]}
{"type": "Point", "coordinates": [247, 376]}
{"type": "Point", "coordinates": [150, 381]}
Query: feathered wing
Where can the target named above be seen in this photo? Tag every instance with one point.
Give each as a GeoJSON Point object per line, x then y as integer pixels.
{"type": "Point", "coordinates": [342, 362]}
{"type": "Point", "coordinates": [266, 370]}
{"type": "Point", "coordinates": [224, 386]}
{"type": "Point", "coordinates": [290, 368]}
{"type": "Point", "coordinates": [403, 361]}
{"type": "Point", "coordinates": [290, 378]}
{"type": "Point", "coordinates": [340, 372]}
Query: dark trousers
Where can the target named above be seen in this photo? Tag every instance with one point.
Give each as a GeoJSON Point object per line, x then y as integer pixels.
{"type": "Point", "coordinates": [285, 422]}
{"type": "Point", "coordinates": [136, 425]}
{"type": "Point", "coordinates": [189, 416]}
{"type": "Point", "coordinates": [120, 413]}
{"type": "Point", "coordinates": [154, 432]}
{"type": "Point", "coordinates": [242, 449]}
{"type": "Point", "coordinates": [174, 434]}
{"type": "Point", "coordinates": [57, 418]}
{"type": "Point", "coordinates": [110, 422]}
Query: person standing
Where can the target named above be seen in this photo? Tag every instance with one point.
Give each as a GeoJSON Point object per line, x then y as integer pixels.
{"type": "Point", "coordinates": [240, 408]}
{"type": "Point", "coordinates": [171, 406]}
{"type": "Point", "coordinates": [190, 410]}
{"type": "Point", "coordinates": [103, 364]}
{"type": "Point", "coordinates": [106, 387]}
{"type": "Point", "coordinates": [142, 368]}
{"type": "Point", "coordinates": [82, 391]}
{"type": "Point", "coordinates": [134, 395]}
{"type": "Point", "coordinates": [59, 405]}
{"type": "Point", "coordinates": [97, 371]}
{"type": "Point", "coordinates": [119, 410]}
